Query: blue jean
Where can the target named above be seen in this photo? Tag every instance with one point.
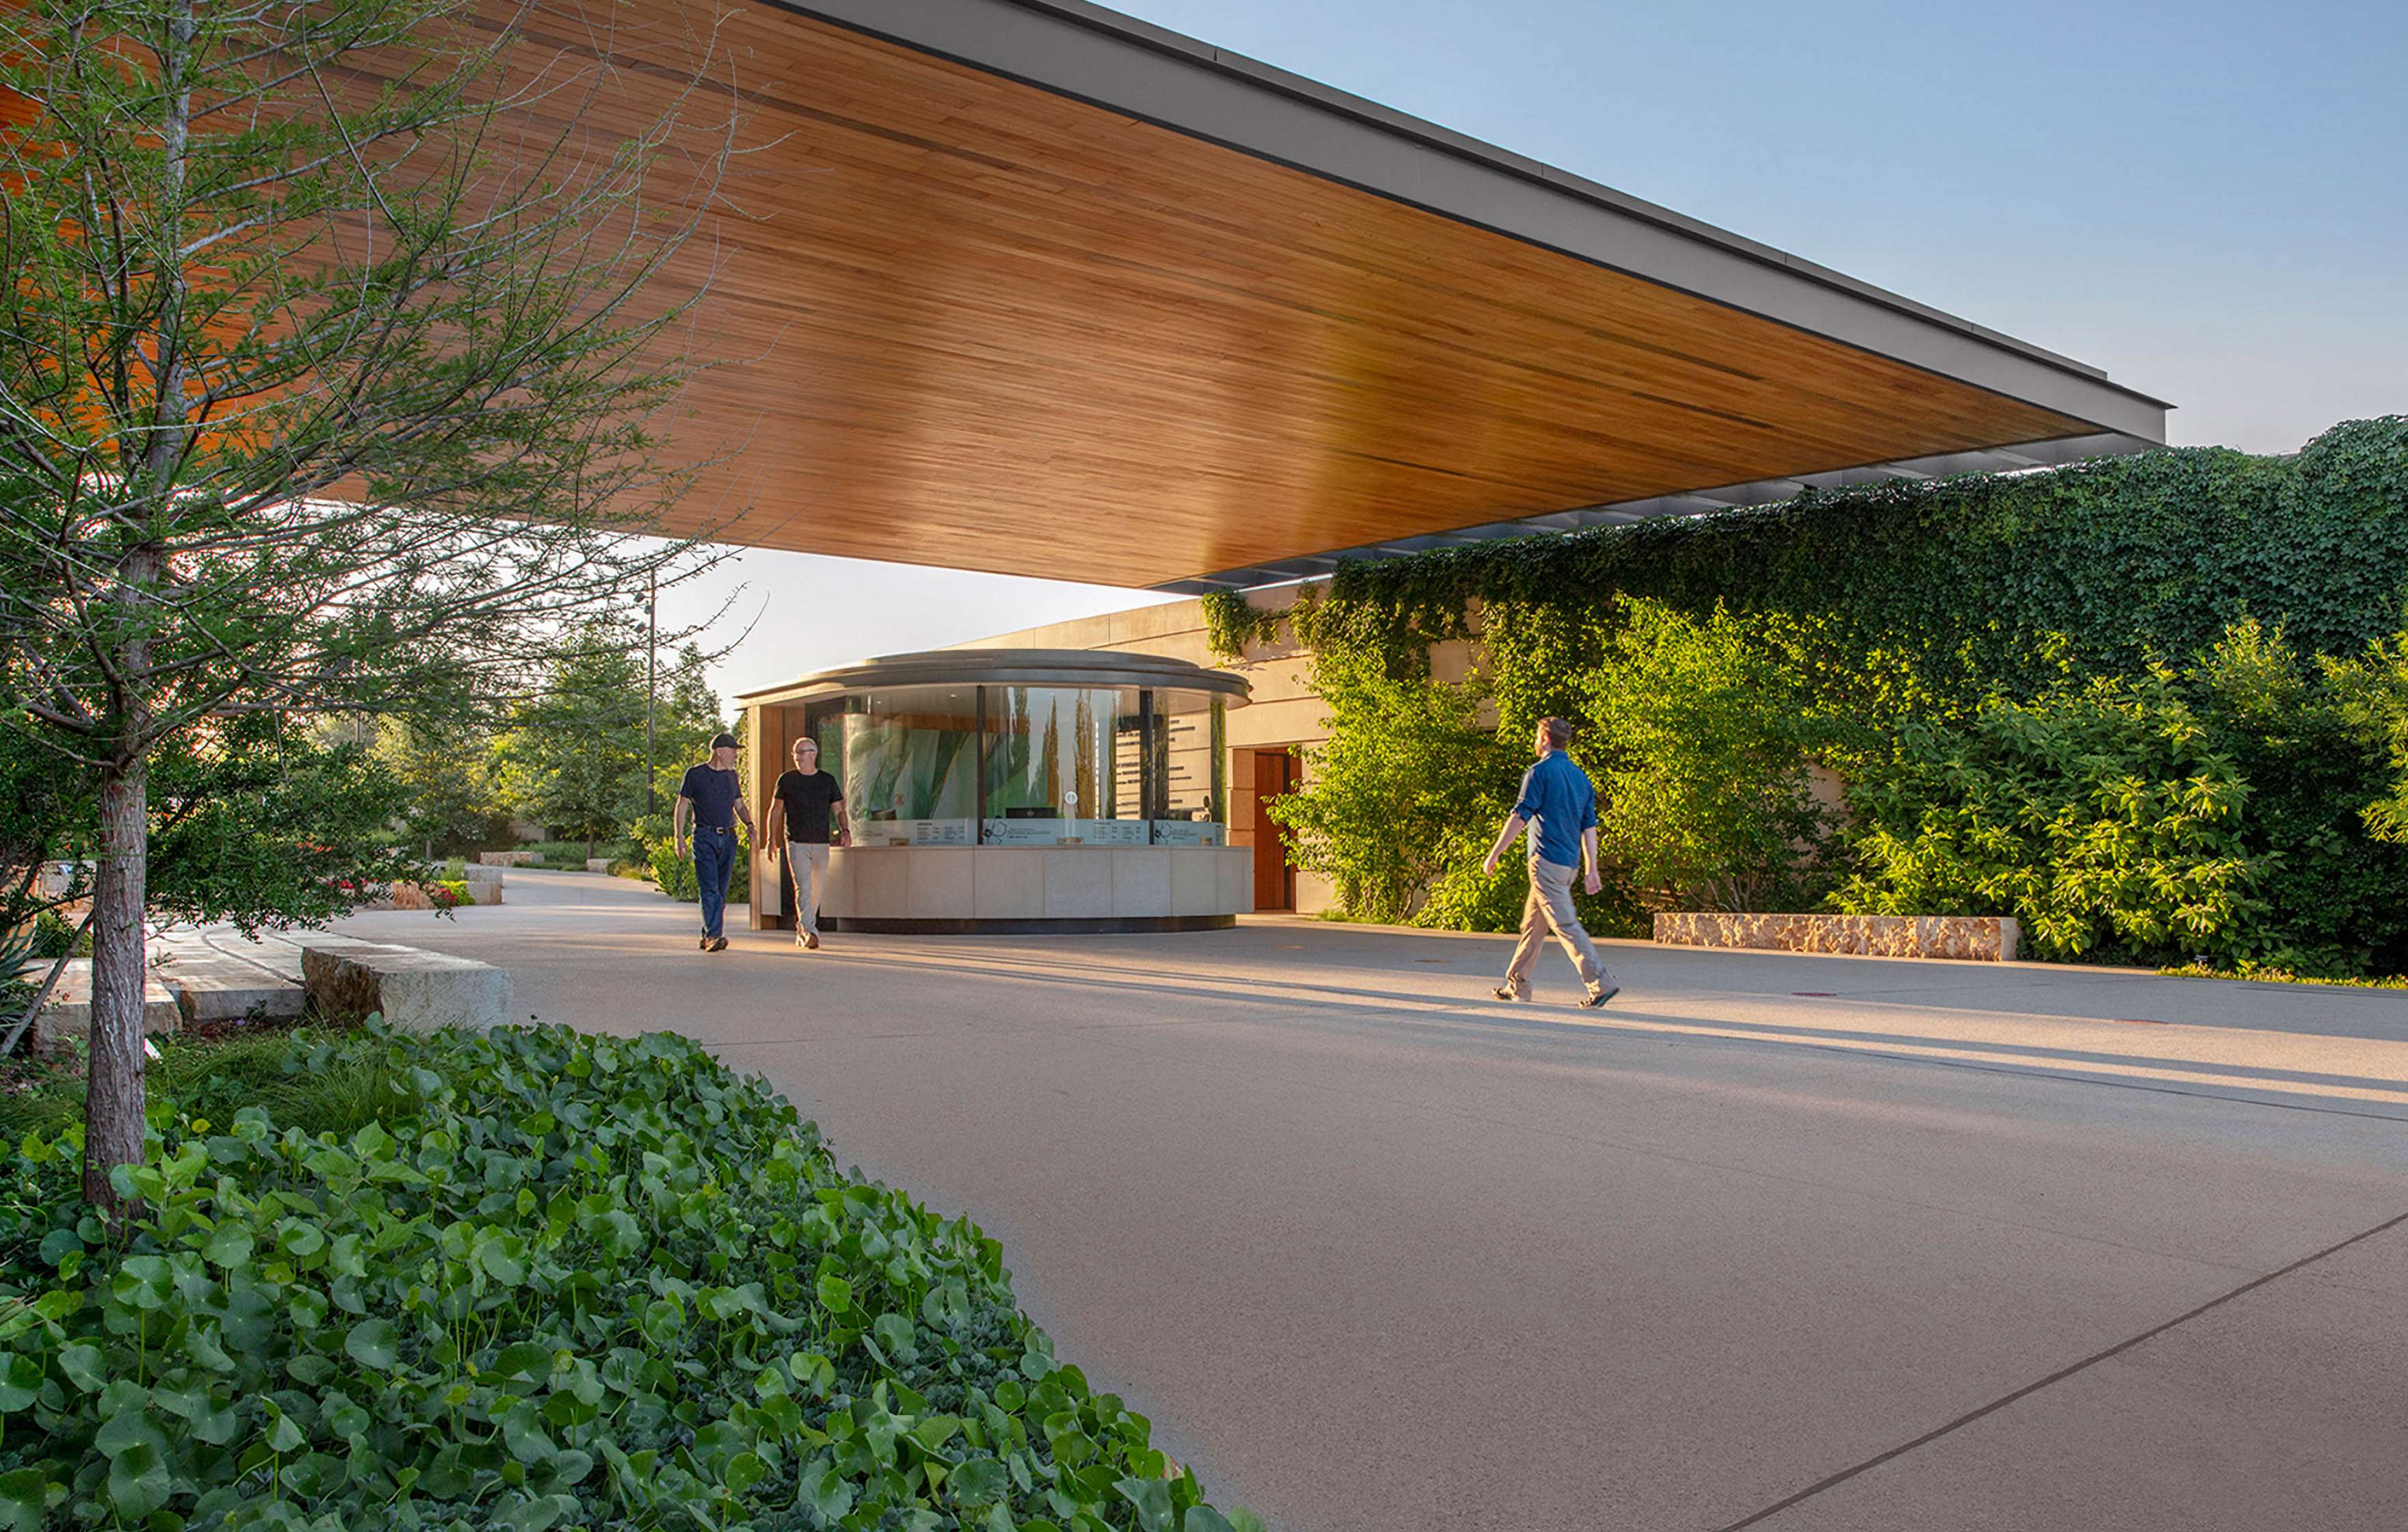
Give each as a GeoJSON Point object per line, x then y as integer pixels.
{"type": "Point", "coordinates": [714, 860]}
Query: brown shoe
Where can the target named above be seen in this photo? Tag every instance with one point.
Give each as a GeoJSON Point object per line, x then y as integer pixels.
{"type": "Point", "coordinates": [719, 944]}
{"type": "Point", "coordinates": [1504, 993]}
{"type": "Point", "coordinates": [811, 942]}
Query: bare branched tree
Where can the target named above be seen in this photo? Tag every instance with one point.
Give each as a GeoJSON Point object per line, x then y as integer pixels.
{"type": "Point", "coordinates": [334, 361]}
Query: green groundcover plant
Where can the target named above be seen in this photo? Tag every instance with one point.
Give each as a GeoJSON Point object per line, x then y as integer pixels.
{"type": "Point", "coordinates": [529, 1280]}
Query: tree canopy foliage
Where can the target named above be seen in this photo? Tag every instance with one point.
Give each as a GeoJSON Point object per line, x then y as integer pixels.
{"type": "Point", "coordinates": [332, 381]}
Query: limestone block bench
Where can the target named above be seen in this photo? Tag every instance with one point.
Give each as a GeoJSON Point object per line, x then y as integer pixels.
{"type": "Point", "coordinates": [1989, 938]}
{"type": "Point", "coordinates": [67, 1013]}
{"type": "Point", "coordinates": [347, 978]}
{"type": "Point", "coordinates": [238, 981]}
{"type": "Point", "coordinates": [505, 859]}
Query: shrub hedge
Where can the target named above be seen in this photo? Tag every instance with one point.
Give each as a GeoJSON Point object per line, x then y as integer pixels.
{"type": "Point", "coordinates": [1897, 615]}
{"type": "Point", "coordinates": [556, 1281]}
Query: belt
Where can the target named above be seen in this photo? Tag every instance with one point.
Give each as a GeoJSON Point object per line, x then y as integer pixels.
{"type": "Point", "coordinates": [715, 829]}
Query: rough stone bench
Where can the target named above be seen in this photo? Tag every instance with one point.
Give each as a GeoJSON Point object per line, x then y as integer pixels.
{"type": "Point", "coordinates": [598, 863]}
{"type": "Point", "coordinates": [67, 1013]}
{"type": "Point", "coordinates": [346, 978]}
{"type": "Point", "coordinates": [1977, 938]}
{"type": "Point", "coordinates": [505, 859]}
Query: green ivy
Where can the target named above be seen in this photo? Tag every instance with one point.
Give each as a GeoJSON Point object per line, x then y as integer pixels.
{"type": "Point", "coordinates": [569, 1281]}
{"type": "Point", "coordinates": [1929, 606]}
{"type": "Point", "coordinates": [1231, 623]}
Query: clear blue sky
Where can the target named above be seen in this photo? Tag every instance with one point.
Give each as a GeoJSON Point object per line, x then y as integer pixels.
{"type": "Point", "coordinates": [2210, 200]}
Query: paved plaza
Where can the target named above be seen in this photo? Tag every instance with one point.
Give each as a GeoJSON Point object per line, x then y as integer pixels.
{"type": "Point", "coordinates": [1812, 1244]}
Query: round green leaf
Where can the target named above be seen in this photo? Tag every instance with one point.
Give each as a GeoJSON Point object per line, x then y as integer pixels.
{"type": "Point", "coordinates": [744, 1470]}
{"type": "Point", "coordinates": [139, 1482]}
{"type": "Point", "coordinates": [283, 1436]}
{"type": "Point", "coordinates": [229, 1247]}
{"type": "Point", "coordinates": [980, 1480]}
{"type": "Point", "coordinates": [836, 1294]}
{"type": "Point", "coordinates": [21, 1381]}
{"type": "Point", "coordinates": [372, 1343]}
{"type": "Point", "coordinates": [82, 1365]}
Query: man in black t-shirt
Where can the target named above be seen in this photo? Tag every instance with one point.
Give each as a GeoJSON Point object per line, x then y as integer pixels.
{"type": "Point", "coordinates": [807, 810]}
{"type": "Point", "coordinates": [714, 795]}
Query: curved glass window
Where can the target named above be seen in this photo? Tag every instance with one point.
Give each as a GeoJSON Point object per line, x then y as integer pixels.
{"type": "Point", "coordinates": [1061, 769]}
{"type": "Point", "coordinates": [910, 765]}
{"type": "Point", "coordinates": [1028, 765]}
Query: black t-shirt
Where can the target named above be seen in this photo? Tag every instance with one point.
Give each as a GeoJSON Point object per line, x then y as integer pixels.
{"type": "Point", "coordinates": [714, 794]}
{"type": "Point", "coordinates": [808, 802]}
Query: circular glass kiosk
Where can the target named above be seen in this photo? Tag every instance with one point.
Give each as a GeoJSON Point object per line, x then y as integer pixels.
{"type": "Point", "coordinates": [1013, 790]}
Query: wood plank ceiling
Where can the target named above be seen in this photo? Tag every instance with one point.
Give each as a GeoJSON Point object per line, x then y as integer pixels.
{"type": "Point", "coordinates": [974, 324]}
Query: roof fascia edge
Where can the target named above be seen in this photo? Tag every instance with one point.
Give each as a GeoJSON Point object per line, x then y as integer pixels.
{"type": "Point", "coordinates": [1125, 66]}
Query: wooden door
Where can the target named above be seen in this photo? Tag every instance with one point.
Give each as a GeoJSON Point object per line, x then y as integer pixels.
{"type": "Point", "coordinates": [1276, 772]}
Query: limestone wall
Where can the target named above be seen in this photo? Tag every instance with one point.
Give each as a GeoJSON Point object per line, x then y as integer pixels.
{"type": "Point", "coordinates": [1977, 938]}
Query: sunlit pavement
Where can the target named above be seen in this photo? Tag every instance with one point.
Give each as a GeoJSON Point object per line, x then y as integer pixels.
{"type": "Point", "coordinates": [1789, 1242]}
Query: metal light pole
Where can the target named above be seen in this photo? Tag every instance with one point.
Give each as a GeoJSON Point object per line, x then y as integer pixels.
{"type": "Point", "coordinates": [652, 686]}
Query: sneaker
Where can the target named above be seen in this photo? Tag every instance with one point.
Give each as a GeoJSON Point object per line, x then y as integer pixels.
{"type": "Point", "coordinates": [811, 942]}
{"type": "Point", "coordinates": [1600, 997]}
{"type": "Point", "coordinates": [1504, 993]}
{"type": "Point", "coordinates": [718, 944]}
{"type": "Point", "coordinates": [802, 941]}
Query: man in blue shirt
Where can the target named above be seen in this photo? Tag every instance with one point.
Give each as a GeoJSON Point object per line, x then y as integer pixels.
{"type": "Point", "coordinates": [1558, 805]}
{"type": "Point", "coordinates": [714, 795]}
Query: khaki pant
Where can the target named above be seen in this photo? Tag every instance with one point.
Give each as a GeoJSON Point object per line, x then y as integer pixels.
{"type": "Point", "coordinates": [1550, 907]}
{"type": "Point", "coordinates": [809, 866]}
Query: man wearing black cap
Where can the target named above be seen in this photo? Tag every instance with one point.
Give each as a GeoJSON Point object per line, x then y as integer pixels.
{"type": "Point", "coordinates": [715, 796]}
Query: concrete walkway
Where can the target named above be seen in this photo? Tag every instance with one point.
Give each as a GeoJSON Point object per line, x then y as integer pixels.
{"type": "Point", "coordinates": [1825, 1244]}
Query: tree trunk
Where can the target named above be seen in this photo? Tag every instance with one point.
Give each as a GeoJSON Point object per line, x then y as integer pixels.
{"type": "Point", "coordinates": [113, 1134]}
{"type": "Point", "coordinates": [113, 1094]}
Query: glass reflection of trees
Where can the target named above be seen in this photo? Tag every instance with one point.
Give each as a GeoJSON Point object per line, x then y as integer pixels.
{"type": "Point", "coordinates": [1083, 764]}
{"type": "Point", "coordinates": [909, 762]}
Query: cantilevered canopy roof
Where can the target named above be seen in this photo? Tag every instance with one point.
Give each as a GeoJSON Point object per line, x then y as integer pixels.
{"type": "Point", "coordinates": [1031, 287]}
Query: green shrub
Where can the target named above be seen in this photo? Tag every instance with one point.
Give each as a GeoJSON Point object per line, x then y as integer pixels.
{"type": "Point", "coordinates": [2216, 813]}
{"type": "Point", "coordinates": [1900, 617]}
{"type": "Point", "coordinates": [2102, 818]}
{"type": "Point", "coordinates": [674, 874]}
{"type": "Point", "coordinates": [1395, 810]}
{"type": "Point", "coordinates": [1705, 738]}
{"type": "Point", "coordinates": [55, 936]}
{"type": "Point", "coordinates": [563, 1281]}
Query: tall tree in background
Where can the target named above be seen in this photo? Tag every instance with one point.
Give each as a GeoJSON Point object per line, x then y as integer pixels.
{"type": "Point", "coordinates": [687, 717]}
{"type": "Point", "coordinates": [323, 387]}
{"type": "Point", "coordinates": [455, 798]}
{"type": "Point", "coordinates": [574, 758]}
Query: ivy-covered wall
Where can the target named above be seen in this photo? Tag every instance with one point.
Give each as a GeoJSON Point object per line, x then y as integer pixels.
{"type": "Point", "coordinates": [1906, 621]}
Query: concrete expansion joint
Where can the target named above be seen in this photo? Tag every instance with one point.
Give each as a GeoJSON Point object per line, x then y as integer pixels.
{"type": "Point", "coordinates": [2059, 1376]}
